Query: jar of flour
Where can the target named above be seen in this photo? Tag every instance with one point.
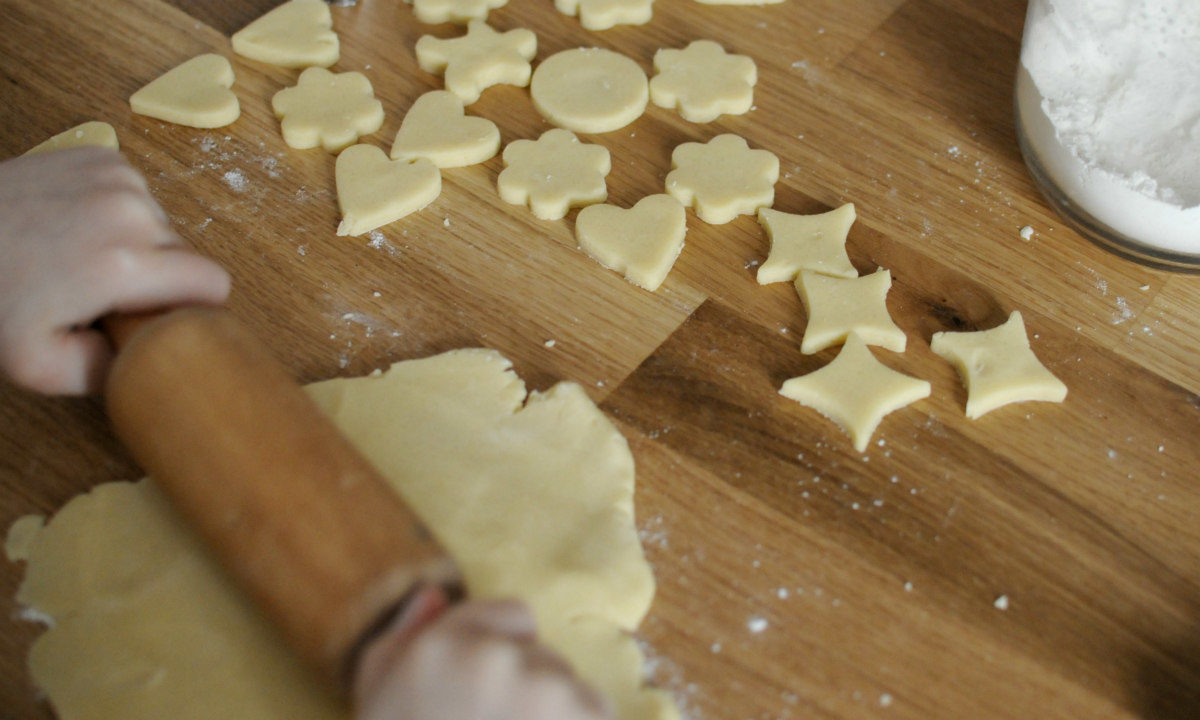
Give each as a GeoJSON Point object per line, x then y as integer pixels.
{"type": "Point", "coordinates": [1108, 115]}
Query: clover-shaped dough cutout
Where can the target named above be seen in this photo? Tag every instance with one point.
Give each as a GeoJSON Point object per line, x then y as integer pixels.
{"type": "Point", "coordinates": [462, 12]}
{"type": "Point", "coordinates": [589, 90]}
{"type": "Point", "coordinates": [838, 307]}
{"type": "Point", "coordinates": [806, 242]}
{"type": "Point", "coordinates": [296, 34]}
{"type": "Point", "coordinates": [641, 242]}
{"type": "Point", "coordinates": [998, 366]}
{"type": "Point", "coordinates": [554, 173]}
{"type": "Point", "coordinates": [373, 191]}
{"type": "Point", "coordinates": [723, 178]}
{"type": "Point", "coordinates": [97, 133]}
{"type": "Point", "coordinates": [437, 128]}
{"type": "Point", "coordinates": [480, 59]}
{"type": "Point", "coordinates": [855, 391]}
{"type": "Point", "coordinates": [195, 93]}
{"type": "Point", "coordinates": [604, 14]}
{"type": "Point", "coordinates": [327, 109]}
{"type": "Point", "coordinates": [703, 81]}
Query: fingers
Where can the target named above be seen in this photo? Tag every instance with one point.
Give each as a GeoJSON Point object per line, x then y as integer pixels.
{"type": "Point", "coordinates": [65, 363]}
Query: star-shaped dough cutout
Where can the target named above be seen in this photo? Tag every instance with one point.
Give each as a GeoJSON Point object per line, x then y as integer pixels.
{"type": "Point", "coordinates": [435, 127]}
{"type": "Point", "coordinates": [554, 173]}
{"type": "Point", "coordinates": [462, 12]}
{"type": "Point", "coordinates": [373, 191]}
{"type": "Point", "coordinates": [703, 81]}
{"type": "Point", "coordinates": [195, 93]}
{"type": "Point", "coordinates": [998, 366]}
{"type": "Point", "coordinates": [806, 242]}
{"type": "Point", "coordinates": [723, 178]}
{"type": "Point", "coordinates": [295, 34]}
{"type": "Point", "coordinates": [93, 132]}
{"type": "Point", "coordinates": [856, 391]}
{"type": "Point", "coordinates": [838, 307]}
{"type": "Point", "coordinates": [327, 109]}
{"type": "Point", "coordinates": [604, 14]}
{"type": "Point", "coordinates": [642, 242]}
{"type": "Point", "coordinates": [480, 59]}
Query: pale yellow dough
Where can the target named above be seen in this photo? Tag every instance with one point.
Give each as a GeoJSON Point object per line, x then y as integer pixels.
{"type": "Point", "coordinates": [296, 34]}
{"type": "Point", "coordinates": [462, 12]}
{"type": "Point", "coordinates": [374, 191]}
{"type": "Point", "coordinates": [806, 242]}
{"type": "Point", "coordinates": [327, 109]}
{"type": "Point", "coordinates": [703, 81]}
{"type": "Point", "coordinates": [855, 391]}
{"type": "Point", "coordinates": [723, 178]}
{"type": "Point", "coordinates": [554, 173]}
{"type": "Point", "coordinates": [532, 495]}
{"type": "Point", "coordinates": [838, 307]}
{"type": "Point", "coordinates": [436, 128]}
{"type": "Point", "coordinates": [95, 132]}
{"type": "Point", "coordinates": [589, 90]}
{"type": "Point", "coordinates": [480, 59]}
{"type": "Point", "coordinates": [604, 14]}
{"type": "Point", "coordinates": [195, 93]}
{"type": "Point", "coordinates": [998, 366]}
{"type": "Point", "coordinates": [642, 242]}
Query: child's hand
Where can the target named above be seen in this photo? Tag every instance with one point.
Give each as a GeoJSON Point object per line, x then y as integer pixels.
{"type": "Point", "coordinates": [479, 661]}
{"type": "Point", "coordinates": [81, 237]}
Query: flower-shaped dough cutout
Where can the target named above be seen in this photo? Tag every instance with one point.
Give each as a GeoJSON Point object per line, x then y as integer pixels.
{"type": "Point", "coordinates": [480, 59]}
{"type": "Point", "coordinates": [89, 133]}
{"type": "Point", "coordinates": [373, 191]}
{"type": "Point", "coordinates": [554, 173]}
{"type": "Point", "coordinates": [437, 128]}
{"type": "Point", "coordinates": [856, 391]}
{"type": "Point", "coordinates": [723, 178]}
{"type": "Point", "coordinates": [604, 14]}
{"type": "Point", "coordinates": [998, 366]}
{"type": "Point", "coordinates": [195, 93]}
{"type": "Point", "coordinates": [296, 34]}
{"type": "Point", "coordinates": [703, 81]}
{"type": "Point", "coordinates": [641, 242]}
{"type": "Point", "coordinates": [327, 109]}
{"type": "Point", "coordinates": [838, 307]}
{"type": "Point", "coordinates": [462, 12]}
{"type": "Point", "coordinates": [590, 90]}
{"type": "Point", "coordinates": [806, 242]}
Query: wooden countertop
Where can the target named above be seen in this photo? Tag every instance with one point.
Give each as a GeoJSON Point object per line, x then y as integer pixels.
{"type": "Point", "coordinates": [878, 581]}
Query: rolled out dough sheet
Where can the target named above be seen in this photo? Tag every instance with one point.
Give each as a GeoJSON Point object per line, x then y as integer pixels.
{"type": "Point", "coordinates": [532, 495]}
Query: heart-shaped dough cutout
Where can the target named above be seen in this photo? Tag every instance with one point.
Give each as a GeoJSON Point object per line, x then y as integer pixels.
{"type": "Point", "coordinates": [296, 34]}
{"type": "Point", "coordinates": [195, 94]}
{"type": "Point", "coordinates": [641, 242]}
{"type": "Point", "coordinates": [374, 191]}
{"type": "Point", "coordinates": [436, 127]}
{"type": "Point", "coordinates": [94, 132]}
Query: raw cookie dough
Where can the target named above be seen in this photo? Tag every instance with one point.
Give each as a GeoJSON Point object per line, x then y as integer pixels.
{"type": "Point", "coordinates": [998, 366]}
{"type": "Point", "coordinates": [703, 81]}
{"type": "Point", "coordinates": [532, 496]}
{"type": "Point", "coordinates": [855, 391]}
{"type": "Point", "coordinates": [327, 109]}
{"type": "Point", "coordinates": [723, 178]}
{"type": "Point", "coordinates": [806, 242]}
{"type": "Point", "coordinates": [373, 191]}
{"type": "Point", "coordinates": [554, 173]}
{"type": "Point", "coordinates": [480, 59]}
{"type": "Point", "coordinates": [838, 307]}
{"type": "Point", "coordinates": [21, 534]}
{"type": "Point", "coordinates": [462, 12]}
{"type": "Point", "coordinates": [195, 93]}
{"type": "Point", "coordinates": [604, 14]}
{"type": "Point", "coordinates": [641, 242]}
{"type": "Point", "coordinates": [589, 90]}
{"type": "Point", "coordinates": [436, 128]}
{"type": "Point", "coordinates": [89, 133]}
{"type": "Point", "coordinates": [295, 34]}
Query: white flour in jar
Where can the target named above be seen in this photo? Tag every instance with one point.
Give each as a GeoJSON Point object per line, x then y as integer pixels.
{"type": "Point", "coordinates": [1109, 99]}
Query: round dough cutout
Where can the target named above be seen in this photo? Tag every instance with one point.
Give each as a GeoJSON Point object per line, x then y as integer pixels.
{"type": "Point", "coordinates": [589, 90]}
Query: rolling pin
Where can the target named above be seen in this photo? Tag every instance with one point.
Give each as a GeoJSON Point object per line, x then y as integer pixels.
{"type": "Point", "coordinates": [299, 518]}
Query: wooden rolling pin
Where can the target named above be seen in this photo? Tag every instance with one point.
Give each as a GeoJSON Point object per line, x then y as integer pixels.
{"type": "Point", "coordinates": [292, 510]}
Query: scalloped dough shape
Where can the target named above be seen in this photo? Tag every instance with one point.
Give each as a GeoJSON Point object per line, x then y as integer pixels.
{"type": "Point", "coordinates": [723, 178]}
{"type": "Point", "coordinates": [642, 242]}
{"type": "Point", "coordinates": [434, 12]}
{"type": "Point", "coordinates": [296, 34]}
{"type": "Point", "coordinates": [554, 173]}
{"type": "Point", "coordinates": [94, 132]}
{"type": "Point", "coordinates": [703, 81]}
{"type": "Point", "coordinates": [838, 307]}
{"type": "Point", "coordinates": [195, 93]}
{"type": "Point", "coordinates": [604, 14]}
{"type": "Point", "coordinates": [589, 90]}
{"type": "Point", "coordinates": [480, 59]}
{"type": "Point", "coordinates": [327, 109]}
{"type": "Point", "coordinates": [806, 242]}
{"type": "Point", "coordinates": [374, 191]}
{"type": "Point", "coordinates": [437, 128]}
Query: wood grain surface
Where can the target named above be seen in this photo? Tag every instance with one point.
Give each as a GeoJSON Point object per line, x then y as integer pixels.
{"type": "Point", "coordinates": [877, 575]}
